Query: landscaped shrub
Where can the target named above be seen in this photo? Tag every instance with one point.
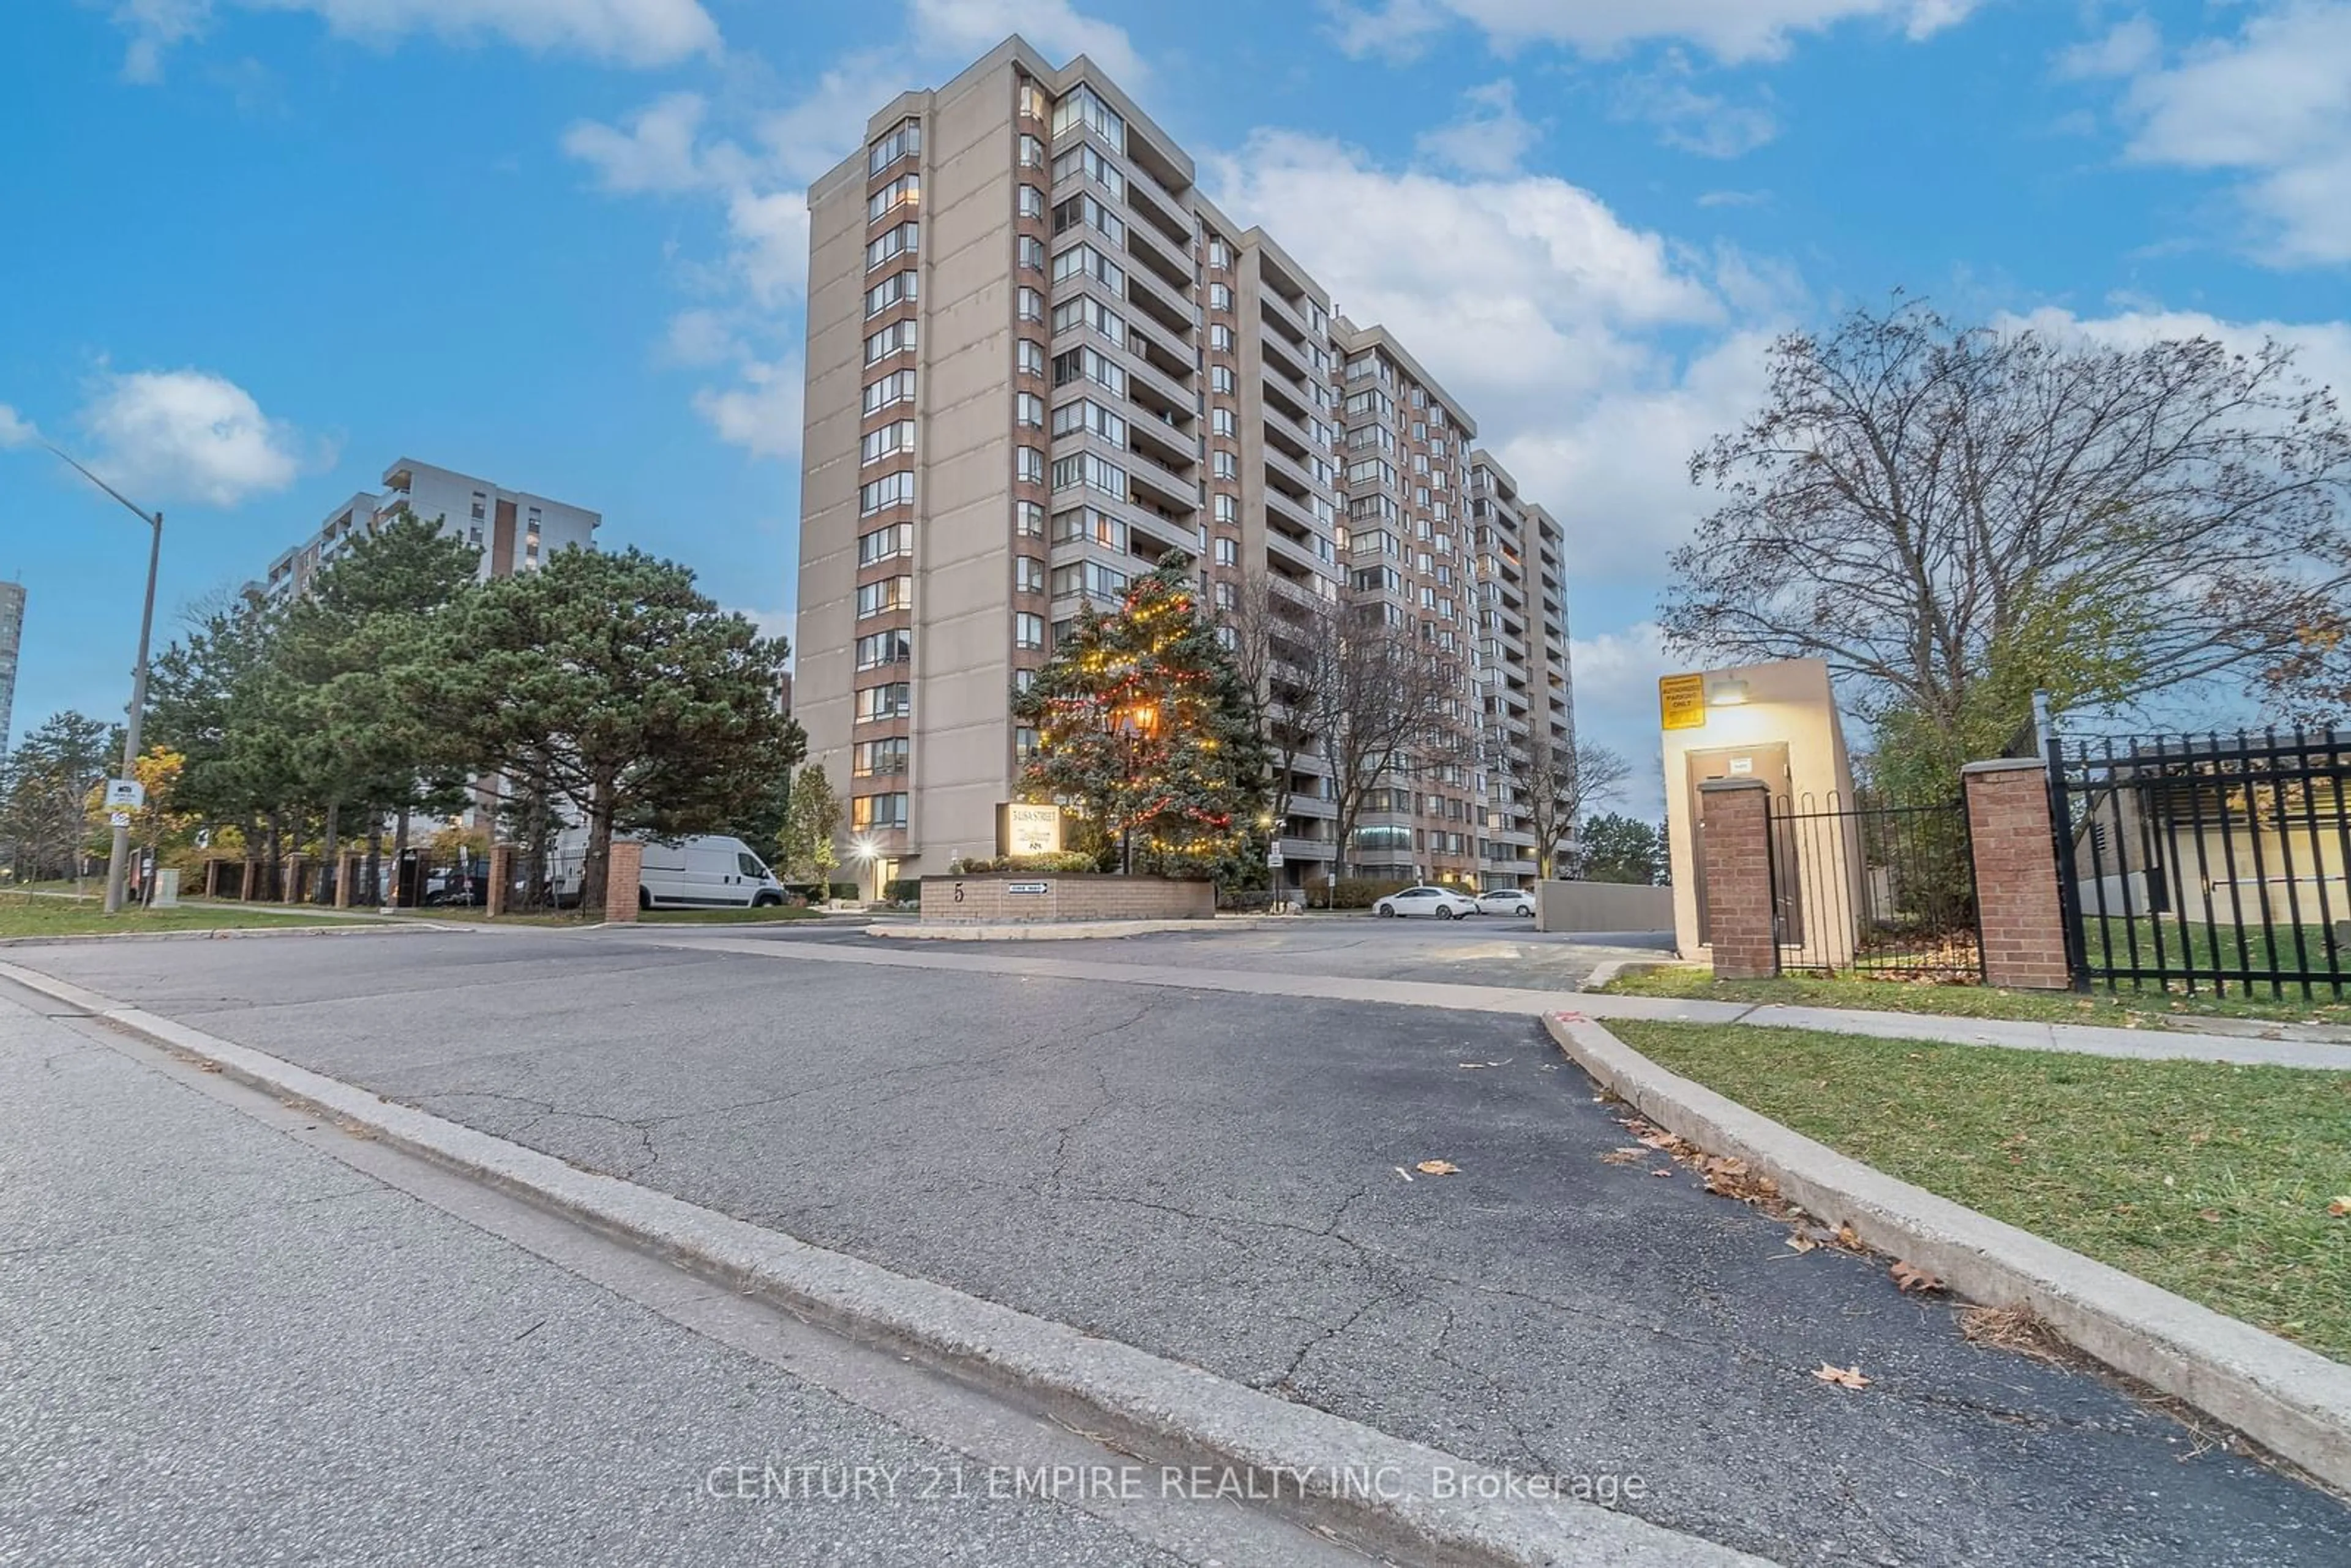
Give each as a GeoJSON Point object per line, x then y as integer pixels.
{"type": "Point", "coordinates": [1360, 891]}
{"type": "Point", "coordinates": [904, 890]}
{"type": "Point", "coordinates": [847, 892]}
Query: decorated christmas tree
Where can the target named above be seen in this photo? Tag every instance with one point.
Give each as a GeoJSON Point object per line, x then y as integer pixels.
{"type": "Point", "coordinates": [1142, 729]}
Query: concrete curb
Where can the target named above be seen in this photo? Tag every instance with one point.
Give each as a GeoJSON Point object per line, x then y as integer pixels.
{"type": "Point", "coordinates": [218, 933]}
{"type": "Point", "coordinates": [1041, 931]}
{"type": "Point", "coordinates": [1175, 1414]}
{"type": "Point", "coordinates": [2293, 1402]}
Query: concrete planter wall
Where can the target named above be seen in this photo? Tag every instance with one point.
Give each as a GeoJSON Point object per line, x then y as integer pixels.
{"type": "Point", "coordinates": [1013, 898]}
{"type": "Point", "coordinates": [1603, 906]}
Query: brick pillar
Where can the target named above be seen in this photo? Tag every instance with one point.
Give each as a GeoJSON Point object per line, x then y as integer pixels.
{"type": "Point", "coordinates": [344, 865]}
{"type": "Point", "coordinates": [501, 875]}
{"type": "Point", "coordinates": [1734, 823]}
{"type": "Point", "coordinates": [289, 890]}
{"type": "Point", "coordinates": [245, 883]}
{"type": "Point", "coordinates": [621, 874]}
{"type": "Point", "coordinates": [2016, 874]}
{"type": "Point", "coordinates": [212, 878]}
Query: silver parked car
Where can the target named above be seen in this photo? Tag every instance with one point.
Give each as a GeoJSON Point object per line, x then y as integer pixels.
{"type": "Point", "coordinates": [1507, 900]}
{"type": "Point", "coordinates": [1436, 900]}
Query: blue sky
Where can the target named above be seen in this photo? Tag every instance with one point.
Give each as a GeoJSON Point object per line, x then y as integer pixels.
{"type": "Point", "coordinates": [259, 248]}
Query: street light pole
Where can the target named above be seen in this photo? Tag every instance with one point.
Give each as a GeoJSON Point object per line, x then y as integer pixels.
{"type": "Point", "coordinates": [116, 862]}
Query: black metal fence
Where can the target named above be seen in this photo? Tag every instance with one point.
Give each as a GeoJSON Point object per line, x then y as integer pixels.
{"type": "Point", "coordinates": [1869, 887]}
{"type": "Point", "coordinates": [2206, 864]}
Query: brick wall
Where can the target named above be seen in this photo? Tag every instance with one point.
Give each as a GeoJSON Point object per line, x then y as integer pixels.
{"type": "Point", "coordinates": [2016, 874]}
{"type": "Point", "coordinates": [621, 874]}
{"type": "Point", "coordinates": [501, 875]}
{"type": "Point", "coordinates": [989, 899]}
{"type": "Point", "coordinates": [1740, 933]}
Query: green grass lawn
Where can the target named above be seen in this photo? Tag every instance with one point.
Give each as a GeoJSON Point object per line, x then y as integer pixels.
{"type": "Point", "coordinates": [25, 916]}
{"type": "Point", "coordinates": [2127, 1009]}
{"type": "Point", "coordinates": [2165, 944]}
{"type": "Point", "coordinates": [2208, 1179]}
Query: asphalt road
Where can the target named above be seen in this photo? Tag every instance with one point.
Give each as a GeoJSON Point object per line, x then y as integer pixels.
{"type": "Point", "coordinates": [1216, 1178]}
{"type": "Point", "coordinates": [226, 1346]}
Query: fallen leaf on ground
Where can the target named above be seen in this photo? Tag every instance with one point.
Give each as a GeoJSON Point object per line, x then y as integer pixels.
{"type": "Point", "coordinates": [1842, 1376]}
{"type": "Point", "coordinates": [1438, 1167]}
{"type": "Point", "coordinates": [2339, 1207]}
{"type": "Point", "coordinates": [1627, 1156]}
{"type": "Point", "coordinates": [2210, 1216]}
{"type": "Point", "coordinates": [1667, 1171]}
{"type": "Point", "coordinates": [1848, 1238]}
{"type": "Point", "coordinates": [1802, 1243]}
{"type": "Point", "coordinates": [2017, 1329]}
{"type": "Point", "coordinates": [1909, 1277]}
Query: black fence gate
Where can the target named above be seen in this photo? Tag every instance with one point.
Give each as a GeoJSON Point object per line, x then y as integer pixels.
{"type": "Point", "coordinates": [2206, 864]}
{"type": "Point", "coordinates": [1874, 888]}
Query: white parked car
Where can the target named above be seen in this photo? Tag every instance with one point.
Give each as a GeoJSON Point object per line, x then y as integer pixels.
{"type": "Point", "coordinates": [1508, 900]}
{"type": "Point", "coordinates": [1434, 901]}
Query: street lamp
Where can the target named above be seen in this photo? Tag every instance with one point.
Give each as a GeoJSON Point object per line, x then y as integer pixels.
{"type": "Point", "coordinates": [1137, 725]}
{"type": "Point", "coordinates": [154, 521]}
{"type": "Point", "coordinates": [865, 849]}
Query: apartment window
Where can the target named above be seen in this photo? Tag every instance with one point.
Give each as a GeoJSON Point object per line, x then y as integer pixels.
{"type": "Point", "coordinates": [1028, 630]}
{"type": "Point", "coordinates": [903, 240]}
{"type": "Point", "coordinates": [1083, 209]}
{"type": "Point", "coordinates": [1085, 416]}
{"type": "Point", "coordinates": [898, 338]}
{"type": "Point", "coordinates": [1370, 471]}
{"type": "Point", "coordinates": [1084, 107]}
{"type": "Point", "coordinates": [1228, 509]}
{"type": "Point", "coordinates": [1033, 103]}
{"type": "Point", "coordinates": [1032, 151]}
{"type": "Point", "coordinates": [1420, 495]}
{"type": "Point", "coordinates": [480, 505]}
{"type": "Point", "coordinates": [1089, 525]}
{"type": "Point", "coordinates": [1029, 203]}
{"type": "Point", "coordinates": [1229, 552]}
{"type": "Point", "coordinates": [1088, 160]}
{"type": "Point", "coordinates": [1076, 364]}
{"type": "Point", "coordinates": [1029, 465]}
{"type": "Point", "coordinates": [1023, 679]}
{"type": "Point", "coordinates": [1220, 378]}
{"type": "Point", "coordinates": [1420, 397]}
{"type": "Point", "coordinates": [1223, 422]}
{"type": "Point", "coordinates": [1371, 437]}
{"type": "Point", "coordinates": [1088, 470]}
{"type": "Point", "coordinates": [1220, 338]}
{"type": "Point", "coordinates": [1028, 409]}
{"type": "Point", "coordinates": [473, 537]}
{"type": "Point", "coordinates": [898, 386]}
{"type": "Point", "coordinates": [904, 141]}
{"type": "Point", "coordinates": [1221, 296]}
{"type": "Point", "coordinates": [1030, 305]}
{"type": "Point", "coordinates": [892, 439]}
{"type": "Point", "coordinates": [881, 597]}
{"type": "Point", "coordinates": [1225, 465]}
{"type": "Point", "coordinates": [896, 540]}
{"type": "Point", "coordinates": [1084, 261]}
{"type": "Point", "coordinates": [884, 648]}
{"type": "Point", "coordinates": [1024, 742]}
{"type": "Point", "coordinates": [1088, 577]}
{"type": "Point", "coordinates": [1223, 592]}
{"type": "Point", "coordinates": [1029, 252]}
{"type": "Point", "coordinates": [531, 551]}
{"type": "Point", "coordinates": [895, 700]}
{"type": "Point", "coordinates": [1088, 314]}
{"type": "Point", "coordinates": [873, 758]}
{"type": "Point", "coordinates": [1027, 574]}
{"type": "Point", "coordinates": [871, 812]}
{"type": "Point", "coordinates": [1029, 358]}
{"type": "Point", "coordinates": [1227, 638]}
{"type": "Point", "coordinates": [1029, 519]}
{"type": "Point", "coordinates": [904, 190]}
{"type": "Point", "coordinates": [1220, 254]}
{"type": "Point", "coordinates": [890, 490]}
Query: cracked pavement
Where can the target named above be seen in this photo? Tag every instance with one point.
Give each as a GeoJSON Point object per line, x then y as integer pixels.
{"type": "Point", "coordinates": [1222, 1179]}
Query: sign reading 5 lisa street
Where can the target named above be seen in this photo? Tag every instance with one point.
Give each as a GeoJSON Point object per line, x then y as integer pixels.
{"type": "Point", "coordinates": [1024, 828]}
{"type": "Point", "coordinates": [1681, 702]}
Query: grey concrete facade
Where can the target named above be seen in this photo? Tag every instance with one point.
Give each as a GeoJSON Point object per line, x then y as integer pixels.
{"type": "Point", "coordinates": [513, 529]}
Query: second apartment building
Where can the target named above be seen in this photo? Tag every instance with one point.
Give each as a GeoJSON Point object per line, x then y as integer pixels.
{"type": "Point", "coordinates": [1040, 360]}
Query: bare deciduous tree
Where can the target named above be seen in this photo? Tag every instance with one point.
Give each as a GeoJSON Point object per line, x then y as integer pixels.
{"type": "Point", "coordinates": [1554, 787]}
{"type": "Point", "coordinates": [1953, 517]}
{"type": "Point", "coordinates": [1377, 701]}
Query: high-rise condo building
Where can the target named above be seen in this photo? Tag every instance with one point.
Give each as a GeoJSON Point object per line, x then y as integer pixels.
{"type": "Point", "coordinates": [1040, 360]}
{"type": "Point", "coordinates": [513, 529]}
{"type": "Point", "coordinates": [1526, 693]}
{"type": "Point", "coordinates": [11, 637]}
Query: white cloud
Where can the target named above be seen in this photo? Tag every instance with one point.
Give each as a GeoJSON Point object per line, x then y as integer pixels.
{"type": "Point", "coordinates": [964, 28]}
{"type": "Point", "coordinates": [657, 153]}
{"type": "Point", "coordinates": [1729, 30]}
{"type": "Point", "coordinates": [187, 435]}
{"type": "Point", "coordinates": [2322, 349]}
{"type": "Point", "coordinates": [1733, 198]}
{"type": "Point", "coordinates": [761, 412]}
{"type": "Point", "coordinates": [16, 430]}
{"type": "Point", "coordinates": [1705, 123]}
{"type": "Point", "coordinates": [1490, 138]}
{"type": "Point", "coordinates": [1616, 688]}
{"type": "Point", "coordinates": [2270, 103]}
{"type": "Point", "coordinates": [699, 337]}
{"type": "Point", "coordinates": [2126, 50]}
{"type": "Point", "coordinates": [622, 32]}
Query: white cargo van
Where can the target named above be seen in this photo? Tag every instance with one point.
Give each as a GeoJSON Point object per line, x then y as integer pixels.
{"type": "Point", "coordinates": [707, 871]}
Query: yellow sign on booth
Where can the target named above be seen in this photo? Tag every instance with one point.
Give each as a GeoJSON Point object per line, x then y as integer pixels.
{"type": "Point", "coordinates": [1681, 702]}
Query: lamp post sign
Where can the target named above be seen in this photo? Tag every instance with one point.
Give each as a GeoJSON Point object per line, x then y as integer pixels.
{"type": "Point", "coordinates": [1026, 829]}
{"type": "Point", "coordinates": [125, 795]}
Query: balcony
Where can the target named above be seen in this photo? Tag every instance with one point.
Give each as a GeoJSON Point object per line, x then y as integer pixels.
{"type": "Point", "coordinates": [1286, 357]}
{"type": "Point", "coordinates": [1292, 476]}
{"type": "Point", "coordinates": [1164, 490]}
{"type": "Point", "coordinates": [1147, 246]}
{"type": "Point", "coordinates": [1148, 292]}
{"type": "Point", "coordinates": [1150, 201]}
